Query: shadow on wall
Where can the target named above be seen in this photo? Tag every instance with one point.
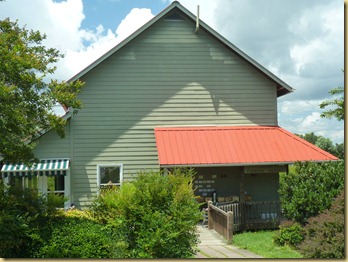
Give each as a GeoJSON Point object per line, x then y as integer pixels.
{"type": "Point", "coordinates": [166, 76]}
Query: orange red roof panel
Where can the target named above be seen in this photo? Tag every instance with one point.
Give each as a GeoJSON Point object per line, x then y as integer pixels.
{"type": "Point", "coordinates": [233, 145]}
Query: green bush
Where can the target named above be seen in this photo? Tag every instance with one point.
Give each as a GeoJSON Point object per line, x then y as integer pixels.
{"type": "Point", "coordinates": [324, 234]}
{"type": "Point", "coordinates": [22, 212]}
{"type": "Point", "coordinates": [154, 216]}
{"type": "Point", "coordinates": [74, 237]}
{"type": "Point", "coordinates": [310, 188]}
{"type": "Point", "coordinates": [24, 216]}
{"type": "Point", "coordinates": [290, 233]}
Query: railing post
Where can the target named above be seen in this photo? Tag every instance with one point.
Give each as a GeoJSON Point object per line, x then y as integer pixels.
{"type": "Point", "coordinates": [210, 216]}
{"type": "Point", "coordinates": [229, 227]}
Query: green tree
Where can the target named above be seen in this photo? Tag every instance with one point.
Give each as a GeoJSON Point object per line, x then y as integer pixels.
{"type": "Point", "coordinates": [27, 98]}
{"type": "Point", "coordinates": [310, 137]}
{"type": "Point", "coordinates": [338, 104]}
{"type": "Point", "coordinates": [339, 150]}
{"type": "Point", "coordinates": [325, 144]}
{"type": "Point", "coordinates": [309, 188]}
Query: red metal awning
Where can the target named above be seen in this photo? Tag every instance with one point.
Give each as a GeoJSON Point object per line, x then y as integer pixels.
{"type": "Point", "coordinates": [233, 145]}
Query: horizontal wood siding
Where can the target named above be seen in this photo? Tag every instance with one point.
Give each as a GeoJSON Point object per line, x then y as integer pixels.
{"type": "Point", "coordinates": [50, 145]}
{"type": "Point", "coordinates": [167, 76]}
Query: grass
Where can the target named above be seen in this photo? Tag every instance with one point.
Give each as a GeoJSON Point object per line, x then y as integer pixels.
{"type": "Point", "coordinates": [261, 243]}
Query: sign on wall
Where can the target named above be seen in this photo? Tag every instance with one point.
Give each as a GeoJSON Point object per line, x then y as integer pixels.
{"type": "Point", "coordinates": [265, 169]}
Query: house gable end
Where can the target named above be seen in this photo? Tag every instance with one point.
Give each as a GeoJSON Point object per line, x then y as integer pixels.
{"type": "Point", "coordinates": [176, 12]}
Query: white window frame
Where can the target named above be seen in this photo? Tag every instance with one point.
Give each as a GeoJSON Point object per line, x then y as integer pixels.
{"type": "Point", "coordinates": [109, 165]}
{"type": "Point", "coordinates": [43, 187]}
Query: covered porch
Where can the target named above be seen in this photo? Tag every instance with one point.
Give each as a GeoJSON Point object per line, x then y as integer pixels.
{"type": "Point", "coordinates": [237, 166]}
{"type": "Point", "coordinates": [48, 176]}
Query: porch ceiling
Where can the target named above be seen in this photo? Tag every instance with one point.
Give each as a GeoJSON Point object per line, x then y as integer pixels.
{"type": "Point", "coordinates": [233, 145]}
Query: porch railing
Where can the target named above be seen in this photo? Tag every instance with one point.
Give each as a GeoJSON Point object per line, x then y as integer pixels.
{"type": "Point", "coordinates": [220, 221]}
{"type": "Point", "coordinates": [226, 218]}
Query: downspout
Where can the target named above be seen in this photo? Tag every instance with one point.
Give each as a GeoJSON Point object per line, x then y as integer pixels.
{"type": "Point", "coordinates": [197, 20]}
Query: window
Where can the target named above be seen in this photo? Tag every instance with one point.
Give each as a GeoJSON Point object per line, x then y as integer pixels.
{"type": "Point", "coordinates": [23, 182]}
{"type": "Point", "coordinates": [109, 175]}
{"type": "Point", "coordinates": [55, 184]}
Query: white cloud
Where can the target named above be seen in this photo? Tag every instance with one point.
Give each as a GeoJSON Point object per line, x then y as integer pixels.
{"type": "Point", "coordinates": [303, 116]}
{"type": "Point", "coordinates": [135, 19]}
{"type": "Point", "coordinates": [310, 122]}
{"type": "Point", "coordinates": [61, 22]}
{"type": "Point", "coordinates": [301, 42]}
{"type": "Point", "coordinates": [101, 41]}
{"type": "Point", "coordinates": [320, 41]}
{"type": "Point", "coordinates": [292, 107]}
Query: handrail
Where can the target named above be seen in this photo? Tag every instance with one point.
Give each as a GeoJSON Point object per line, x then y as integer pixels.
{"type": "Point", "coordinates": [220, 221]}
{"type": "Point", "coordinates": [254, 215]}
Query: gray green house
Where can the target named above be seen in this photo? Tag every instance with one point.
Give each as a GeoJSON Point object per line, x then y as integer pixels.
{"type": "Point", "coordinates": [174, 93]}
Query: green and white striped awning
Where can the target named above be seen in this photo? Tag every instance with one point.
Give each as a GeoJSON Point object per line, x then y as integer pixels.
{"type": "Point", "coordinates": [48, 167]}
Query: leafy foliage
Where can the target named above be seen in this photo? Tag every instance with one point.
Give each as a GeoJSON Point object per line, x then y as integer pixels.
{"type": "Point", "coordinates": [153, 217]}
{"type": "Point", "coordinates": [77, 237]}
{"type": "Point", "coordinates": [290, 233]}
{"type": "Point", "coordinates": [338, 104]}
{"type": "Point", "coordinates": [24, 68]}
{"type": "Point", "coordinates": [310, 188]}
{"type": "Point", "coordinates": [324, 234]}
{"type": "Point", "coordinates": [23, 214]}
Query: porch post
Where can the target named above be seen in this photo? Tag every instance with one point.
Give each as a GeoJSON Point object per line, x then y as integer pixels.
{"type": "Point", "coordinates": [229, 226]}
{"type": "Point", "coordinates": [241, 185]}
{"type": "Point", "coordinates": [210, 217]}
{"type": "Point", "coordinates": [242, 197]}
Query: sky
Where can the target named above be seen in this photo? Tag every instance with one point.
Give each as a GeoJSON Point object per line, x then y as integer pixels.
{"type": "Point", "coordinates": [300, 41]}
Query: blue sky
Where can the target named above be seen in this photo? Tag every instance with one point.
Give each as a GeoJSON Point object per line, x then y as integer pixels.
{"type": "Point", "coordinates": [300, 41]}
{"type": "Point", "coordinates": [110, 13]}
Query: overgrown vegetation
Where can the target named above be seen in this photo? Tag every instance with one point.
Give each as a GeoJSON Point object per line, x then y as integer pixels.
{"type": "Point", "coordinates": [153, 217]}
{"type": "Point", "coordinates": [24, 216]}
{"type": "Point", "coordinates": [324, 234]}
{"type": "Point", "coordinates": [290, 233]}
{"type": "Point", "coordinates": [310, 188]}
{"type": "Point", "coordinates": [77, 237]}
{"type": "Point", "coordinates": [316, 226]}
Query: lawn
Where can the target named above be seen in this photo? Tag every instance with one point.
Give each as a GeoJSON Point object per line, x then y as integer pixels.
{"type": "Point", "coordinates": [261, 243]}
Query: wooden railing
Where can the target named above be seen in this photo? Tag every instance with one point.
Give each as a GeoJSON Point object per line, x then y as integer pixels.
{"type": "Point", "coordinates": [226, 218]}
{"type": "Point", "coordinates": [220, 221]}
{"type": "Point", "coordinates": [254, 215]}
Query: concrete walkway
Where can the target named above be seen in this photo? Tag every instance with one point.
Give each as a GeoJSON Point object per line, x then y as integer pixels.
{"type": "Point", "coordinates": [214, 246]}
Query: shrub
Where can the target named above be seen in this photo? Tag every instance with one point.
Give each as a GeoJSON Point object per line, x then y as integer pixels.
{"type": "Point", "coordinates": [155, 216]}
{"type": "Point", "coordinates": [310, 188]}
{"type": "Point", "coordinates": [78, 237]}
{"type": "Point", "coordinates": [290, 233]}
{"type": "Point", "coordinates": [24, 216]}
{"type": "Point", "coordinates": [22, 211]}
{"type": "Point", "coordinates": [324, 234]}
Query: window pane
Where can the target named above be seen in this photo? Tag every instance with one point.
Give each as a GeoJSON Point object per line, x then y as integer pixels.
{"type": "Point", "coordinates": [55, 183]}
{"type": "Point", "coordinates": [59, 183]}
{"type": "Point", "coordinates": [108, 174]}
